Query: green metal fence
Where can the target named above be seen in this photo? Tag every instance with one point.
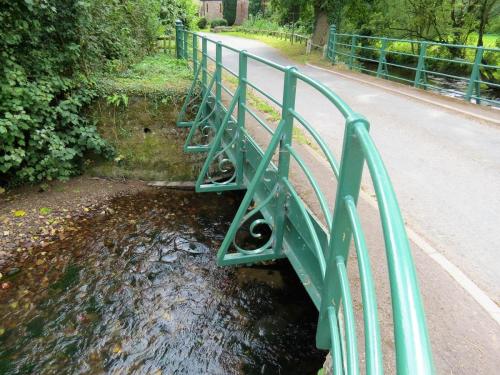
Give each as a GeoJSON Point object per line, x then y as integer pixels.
{"type": "Point", "coordinates": [317, 252]}
{"type": "Point", "coordinates": [462, 71]}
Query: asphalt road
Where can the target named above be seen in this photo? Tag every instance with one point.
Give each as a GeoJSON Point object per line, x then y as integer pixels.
{"type": "Point", "coordinates": [445, 166]}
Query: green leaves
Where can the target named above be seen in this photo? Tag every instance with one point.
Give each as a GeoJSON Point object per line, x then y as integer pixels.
{"type": "Point", "coordinates": [50, 51]}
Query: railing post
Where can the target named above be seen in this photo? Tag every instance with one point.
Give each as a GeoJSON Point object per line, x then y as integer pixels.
{"type": "Point", "coordinates": [242, 99]}
{"type": "Point", "coordinates": [332, 42]}
{"type": "Point", "coordinates": [351, 169]}
{"type": "Point", "coordinates": [474, 77]}
{"type": "Point", "coordinates": [218, 74]}
{"type": "Point", "coordinates": [381, 58]}
{"type": "Point", "coordinates": [178, 39]}
{"type": "Point", "coordinates": [353, 46]}
{"type": "Point", "coordinates": [289, 92]}
{"type": "Point", "coordinates": [420, 73]}
{"type": "Point", "coordinates": [308, 47]}
{"type": "Point", "coordinates": [195, 51]}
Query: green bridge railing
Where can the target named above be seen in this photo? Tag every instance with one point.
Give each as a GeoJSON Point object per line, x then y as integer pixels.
{"type": "Point", "coordinates": [279, 220]}
{"type": "Point", "coordinates": [462, 71]}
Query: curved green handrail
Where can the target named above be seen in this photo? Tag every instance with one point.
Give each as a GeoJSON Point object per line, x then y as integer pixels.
{"type": "Point", "coordinates": [413, 352]}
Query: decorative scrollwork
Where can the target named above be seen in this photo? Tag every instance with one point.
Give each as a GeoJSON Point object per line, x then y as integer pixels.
{"type": "Point", "coordinates": [205, 130]}
{"type": "Point", "coordinates": [226, 162]}
{"type": "Point", "coordinates": [255, 224]}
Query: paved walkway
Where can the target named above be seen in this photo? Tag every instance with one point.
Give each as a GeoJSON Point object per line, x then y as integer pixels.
{"type": "Point", "coordinates": [445, 166]}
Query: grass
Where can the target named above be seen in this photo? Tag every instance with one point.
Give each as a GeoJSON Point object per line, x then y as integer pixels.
{"type": "Point", "coordinates": [161, 74]}
{"type": "Point", "coordinates": [271, 113]}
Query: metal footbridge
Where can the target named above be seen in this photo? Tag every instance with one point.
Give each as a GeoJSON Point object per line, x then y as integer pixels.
{"type": "Point", "coordinates": [280, 223]}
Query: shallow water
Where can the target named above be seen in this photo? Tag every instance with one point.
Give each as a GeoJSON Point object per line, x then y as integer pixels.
{"type": "Point", "coordinates": [137, 291]}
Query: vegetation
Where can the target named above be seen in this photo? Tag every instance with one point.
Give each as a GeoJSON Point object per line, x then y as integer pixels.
{"type": "Point", "coordinates": [137, 117]}
{"type": "Point", "coordinates": [218, 22]}
{"type": "Point", "coordinates": [53, 53]}
{"type": "Point", "coordinates": [229, 11]}
{"type": "Point", "coordinates": [202, 23]}
{"type": "Point", "coordinates": [447, 21]}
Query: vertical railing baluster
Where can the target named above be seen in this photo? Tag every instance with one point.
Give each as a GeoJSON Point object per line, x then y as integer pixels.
{"type": "Point", "coordinates": [420, 73]}
{"type": "Point", "coordinates": [381, 58]}
{"type": "Point", "coordinates": [242, 76]}
{"type": "Point", "coordinates": [204, 64]}
{"type": "Point", "coordinates": [195, 51]}
{"type": "Point", "coordinates": [218, 76]}
{"type": "Point", "coordinates": [474, 77]}
{"type": "Point", "coordinates": [353, 47]}
{"type": "Point", "coordinates": [185, 42]}
{"type": "Point", "coordinates": [289, 92]}
{"type": "Point", "coordinates": [333, 38]}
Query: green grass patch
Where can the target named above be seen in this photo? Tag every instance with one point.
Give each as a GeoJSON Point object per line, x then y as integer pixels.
{"type": "Point", "coordinates": [161, 75]}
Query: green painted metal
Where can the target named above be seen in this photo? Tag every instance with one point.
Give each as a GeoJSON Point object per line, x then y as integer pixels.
{"type": "Point", "coordinates": [352, 55]}
{"type": "Point", "coordinates": [400, 59]}
{"type": "Point", "coordinates": [382, 62]}
{"type": "Point", "coordinates": [474, 81]}
{"type": "Point", "coordinates": [420, 75]}
{"type": "Point", "coordinates": [318, 253]}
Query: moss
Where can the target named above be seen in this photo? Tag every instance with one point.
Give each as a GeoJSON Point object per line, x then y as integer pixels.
{"type": "Point", "coordinates": [148, 144]}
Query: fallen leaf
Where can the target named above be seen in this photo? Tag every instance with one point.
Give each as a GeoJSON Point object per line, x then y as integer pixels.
{"type": "Point", "coordinates": [19, 213]}
{"type": "Point", "coordinates": [117, 348]}
{"type": "Point", "coordinates": [45, 211]}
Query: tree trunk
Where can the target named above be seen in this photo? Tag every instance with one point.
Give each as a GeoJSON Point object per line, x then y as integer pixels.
{"type": "Point", "coordinates": [321, 27]}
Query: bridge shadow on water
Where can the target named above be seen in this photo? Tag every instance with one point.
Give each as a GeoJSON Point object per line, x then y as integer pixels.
{"type": "Point", "coordinates": [137, 291]}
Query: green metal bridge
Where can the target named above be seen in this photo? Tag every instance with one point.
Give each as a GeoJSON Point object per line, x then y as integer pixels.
{"type": "Point", "coordinates": [281, 222]}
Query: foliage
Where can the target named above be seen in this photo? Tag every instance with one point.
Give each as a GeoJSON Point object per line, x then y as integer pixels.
{"type": "Point", "coordinates": [160, 77]}
{"type": "Point", "coordinates": [184, 10]}
{"type": "Point", "coordinates": [448, 21]}
{"type": "Point", "coordinates": [218, 22]}
{"type": "Point", "coordinates": [255, 7]}
{"type": "Point", "coordinates": [202, 23]}
{"type": "Point", "coordinates": [229, 11]}
{"type": "Point", "coordinates": [52, 51]}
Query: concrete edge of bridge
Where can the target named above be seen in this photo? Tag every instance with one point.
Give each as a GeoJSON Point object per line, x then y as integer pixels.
{"type": "Point", "coordinates": [449, 103]}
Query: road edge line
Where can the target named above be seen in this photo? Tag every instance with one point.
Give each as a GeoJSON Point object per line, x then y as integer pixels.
{"type": "Point", "coordinates": [449, 107]}
{"type": "Point", "coordinates": [469, 286]}
{"type": "Point", "coordinates": [491, 308]}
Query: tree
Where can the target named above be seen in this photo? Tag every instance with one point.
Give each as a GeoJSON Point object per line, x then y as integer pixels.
{"type": "Point", "coordinates": [229, 11]}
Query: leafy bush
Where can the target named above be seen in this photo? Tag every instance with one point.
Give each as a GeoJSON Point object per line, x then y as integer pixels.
{"type": "Point", "coordinates": [218, 22]}
{"type": "Point", "coordinates": [49, 50]}
{"type": "Point", "coordinates": [229, 11]}
{"type": "Point", "coordinates": [202, 23]}
{"type": "Point", "coordinates": [172, 10]}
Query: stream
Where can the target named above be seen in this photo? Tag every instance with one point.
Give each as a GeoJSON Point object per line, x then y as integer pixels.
{"type": "Point", "coordinates": [136, 290]}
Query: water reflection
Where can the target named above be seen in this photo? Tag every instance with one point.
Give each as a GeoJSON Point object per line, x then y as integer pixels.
{"type": "Point", "coordinates": [137, 291]}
